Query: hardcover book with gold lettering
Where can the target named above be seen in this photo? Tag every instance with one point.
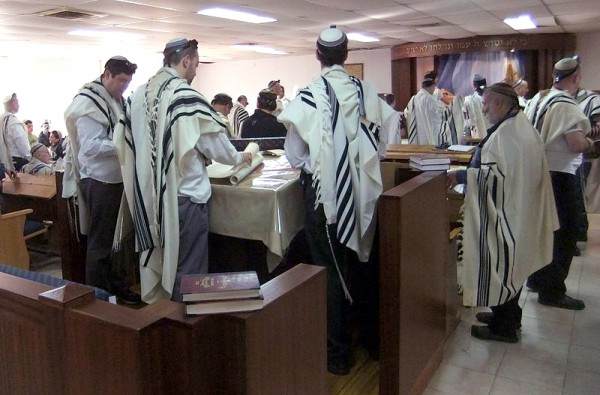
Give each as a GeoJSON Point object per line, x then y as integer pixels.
{"type": "Point", "coordinates": [220, 286]}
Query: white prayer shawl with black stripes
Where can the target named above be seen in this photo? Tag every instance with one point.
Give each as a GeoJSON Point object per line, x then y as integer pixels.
{"type": "Point", "coordinates": [152, 139]}
{"type": "Point", "coordinates": [456, 124]}
{"type": "Point", "coordinates": [553, 113]}
{"type": "Point", "coordinates": [7, 119]}
{"type": "Point", "coordinates": [93, 101]}
{"type": "Point", "coordinates": [473, 116]}
{"type": "Point", "coordinates": [237, 115]}
{"type": "Point", "coordinates": [589, 102]}
{"type": "Point", "coordinates": [424, 117]}
{"type": "Point", "coordinates": [510, 215]}
{"type": "Point", "coordinates": [310, 114]}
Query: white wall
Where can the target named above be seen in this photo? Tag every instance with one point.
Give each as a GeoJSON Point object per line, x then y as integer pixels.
{"type": "Point", "coordinates": [46, 85]}
{"type": "Point", "coordinates": [587, 48]}
{"type": "Point", "coordinates": [248, 77]}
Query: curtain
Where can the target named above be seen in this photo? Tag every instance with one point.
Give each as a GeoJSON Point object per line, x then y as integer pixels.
{"type": "Point", "coordinates": [456, 71]}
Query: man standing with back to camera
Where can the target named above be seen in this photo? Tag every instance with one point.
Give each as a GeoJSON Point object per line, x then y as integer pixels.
{"type": "Point", "coordinates": [334, 124]}
{"type": "Point", "coordinates": [168, 132]}
{"type": "Point", "coordinates": [92, 170]}
{"type": "Point", "coordinates": [563, 127]}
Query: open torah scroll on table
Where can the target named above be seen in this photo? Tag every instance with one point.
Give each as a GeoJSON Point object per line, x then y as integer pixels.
{"type": "Point", "coordinates": [267, 206]}
{"type": "Point", "coordinates": [239, 172]}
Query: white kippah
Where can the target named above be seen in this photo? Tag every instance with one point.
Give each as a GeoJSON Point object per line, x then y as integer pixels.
{"type": "Point", "coordinates": [176, 42]}
{"type": "Point", "coordinates": [331, 37]}
{"type": "Point", "coordinates": [566, 64]}
{"type": "Point", "coordinates": [9, 98]}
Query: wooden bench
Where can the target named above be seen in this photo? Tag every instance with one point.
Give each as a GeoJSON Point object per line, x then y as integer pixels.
{"type": "Point", "coordinates": [43, 194]}
{"type": "Point", "coordinates": [64, 341]}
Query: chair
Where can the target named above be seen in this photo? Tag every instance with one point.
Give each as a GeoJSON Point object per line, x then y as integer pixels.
{"type": "Point", "coordinates": [15, 229]}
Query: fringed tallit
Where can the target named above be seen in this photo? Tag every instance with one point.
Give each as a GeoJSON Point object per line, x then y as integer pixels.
{"type": "Point", "coordinates": [93, 101]}
{"type": "Point", "coordinates": [510, 215]}
{"type": "Point", "coordinates": [161, 125]}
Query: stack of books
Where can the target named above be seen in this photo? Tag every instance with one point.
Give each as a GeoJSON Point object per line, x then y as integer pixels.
{"type": "Point", "coordinates": [218, 293]}
{"type": "Point", "coordinates": [428, 162]}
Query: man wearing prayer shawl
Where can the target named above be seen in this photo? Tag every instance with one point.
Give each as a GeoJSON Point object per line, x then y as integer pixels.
{"type": "Point", "coordinates": [166, 135]}
{"type": "Point", "coordinates": [14, 146]}
{"type": "Point", "coordinates": [92, 172]}
{"type": "Point", "coordinates": [424, 116]}
{"type": "Point", "coordinates": [237, 115]}
{"type": "Point", "coordinates": [333, 136]}
{"type": "Point", "coordinates": [521, 88]}
{"type": "Point", "coordinates": [589, 102]}
{"type": "Point", "coordinates": [509, 215]}
{"type": "Point", "coordinates": [475, 121]}
{"type": "Point", "coordinates": [563, 128]}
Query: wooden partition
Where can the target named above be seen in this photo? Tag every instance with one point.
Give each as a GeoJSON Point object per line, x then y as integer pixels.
{"type": "Point", "coordinates": [64, 341]}
{"type": "Point", "coordinates": [413, 281]}
{"type": "Point", "coordinates": [43, 194]}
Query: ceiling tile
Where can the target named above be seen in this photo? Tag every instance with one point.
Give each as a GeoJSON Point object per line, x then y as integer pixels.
{"type": "Point", "coordinates": [445, 7]}
{"type": "Point", "coordinates": [112, 6]}
{"type": "Point", "coordinates": [510, 12]}
{"type": "Point", "coordinates": [392, 14]}
{"type": "Point", "coordinates": [582, 27]}
{"type": "Point", "coordinates": [468, 17]}
{"type": "Point", "coordinates": [355, 4]}
{"type": "Point", "coordinates": [574, 7]}
{"type": "Point", "coordinates": [492, 5]}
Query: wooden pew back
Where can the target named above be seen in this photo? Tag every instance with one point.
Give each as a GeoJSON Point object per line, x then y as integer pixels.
{"type": "Point", "coordinates": [64, 341]}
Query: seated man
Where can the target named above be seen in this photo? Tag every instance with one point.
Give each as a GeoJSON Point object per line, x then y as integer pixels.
{"type": "Point", "coordinates": [263, 123]}
{"type": "Point", "coordinates": [40, 161]}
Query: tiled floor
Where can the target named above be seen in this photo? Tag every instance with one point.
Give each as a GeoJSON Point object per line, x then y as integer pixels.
{"type": "Point", "coordinates": [558, 352]}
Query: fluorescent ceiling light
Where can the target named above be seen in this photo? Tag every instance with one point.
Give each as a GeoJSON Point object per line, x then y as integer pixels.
{"type": "Point", "coordinates": [258, 49]}
{"type": "Point", "coordinates": [235, 15]}
{"type": "Point", "coordinates": [361, 37]}
{"type": "Point", "coordinates": [522, 22]}
{"type": "Point", "coordinates": [107, 34]}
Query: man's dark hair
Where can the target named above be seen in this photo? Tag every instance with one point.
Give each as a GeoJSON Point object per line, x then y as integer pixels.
{"type": "Point", "coordinates": [28, 122]}
{"type": "Point", "coordinates": [329, 56]}
{"type": "Point", "coordinates": [222, 98]}
{"type": "Point", "coordinates": [56, 134]}
{"type": "Point", "coordinates": [174, 54]}
{"type": "Point", "coordinates": [389, 98]}
{"type": "Point", "coordinates": [267, 100]}
{"type": "Point", "coordinates": [118, 65]}
{"type": "Point", "coordinates": [242, 97]}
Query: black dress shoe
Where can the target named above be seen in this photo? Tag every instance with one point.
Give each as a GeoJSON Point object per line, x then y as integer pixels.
{"type": "Point", "coordinates": [338, 369]}
{"type": "Point", "coordinates": [126, 296]}
{"type": "Point", "coordinates": [484, 333]}
{"type": "Point", "coordinates": [485, 317]}
{"type": "Point", "coordinates": [532, 286]}
{"type": "Point", "coordinates": [565, 302]}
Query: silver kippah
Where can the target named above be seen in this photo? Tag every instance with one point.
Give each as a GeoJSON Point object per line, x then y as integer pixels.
{"type": "Point", "coordinates": [174, 45]}
{"type": "Point", "coordinates": [566, 64]}
{"type": "Point", "coordinates": [36, 147]}
{"type": "Point", "coordinates": [331, 37]}
{"type": "Point", "coordinates": [565, 68]}
{"type": "Point", "coordinates": [517, 82]}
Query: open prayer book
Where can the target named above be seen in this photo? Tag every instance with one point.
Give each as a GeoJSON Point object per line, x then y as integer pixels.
{"type": "Point", "coordinates": [236, 173]}
{"type": "Point", "coordinates": [461, 148]}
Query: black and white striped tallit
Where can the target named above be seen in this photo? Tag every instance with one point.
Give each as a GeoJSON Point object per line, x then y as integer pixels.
{"type": "Point", "coordinates": [93, 101]}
